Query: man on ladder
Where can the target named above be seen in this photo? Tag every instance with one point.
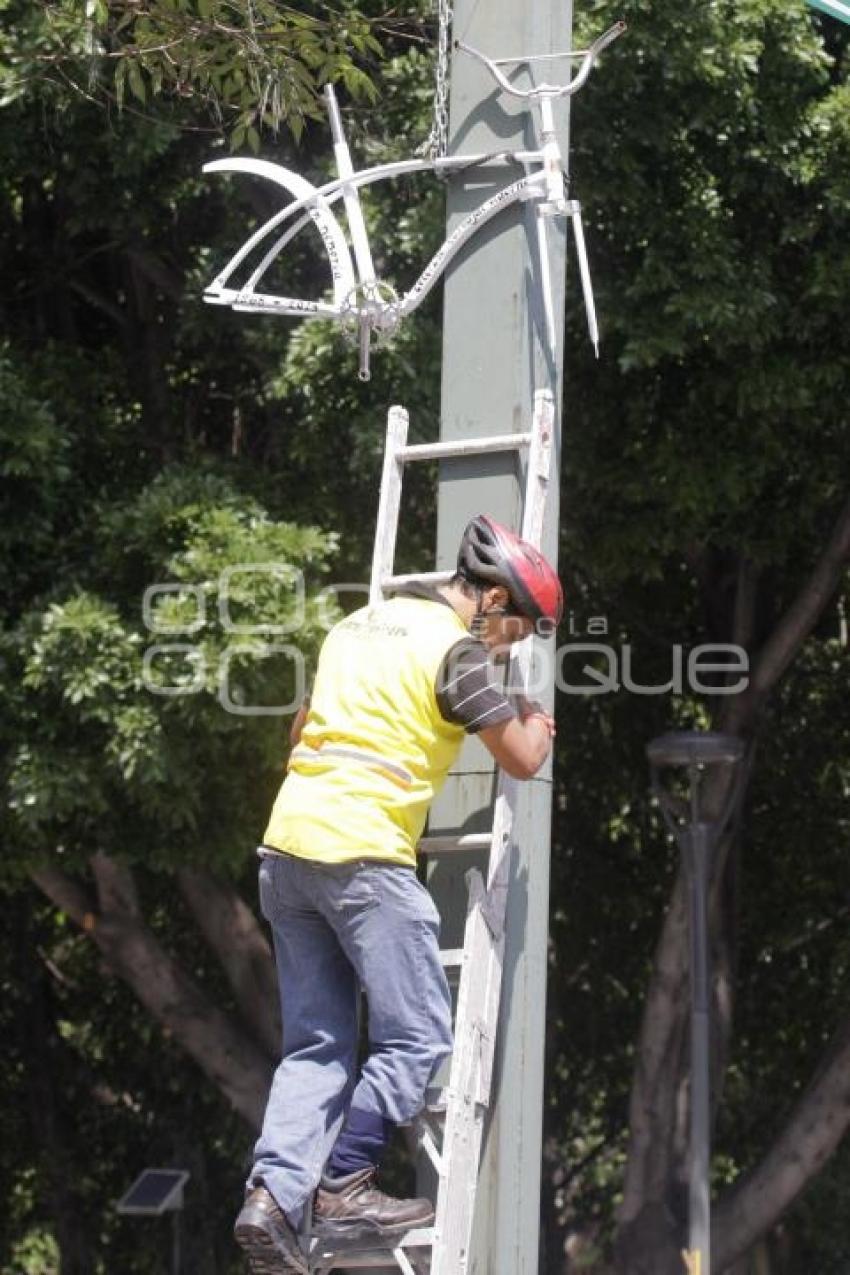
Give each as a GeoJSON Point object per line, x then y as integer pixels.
{"type": "Point", "coordinates": [397, 687]}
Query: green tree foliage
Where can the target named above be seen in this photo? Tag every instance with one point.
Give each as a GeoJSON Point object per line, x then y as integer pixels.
{"type": "Point", "coordinates": [714, 159]}
{"type": "Point", "coordinates": [151, 441]}
{"type": "Point", "coordinates": [107, 736]}
{"type": "Point", "coordinates": [246, 66]}
{"type": "Point", "coordinates": [92, 1092]}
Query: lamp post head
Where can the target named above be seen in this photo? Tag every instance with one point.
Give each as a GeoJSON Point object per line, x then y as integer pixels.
{"type": "Point", "coordinates": [695, 748]}
{"type": "Point", "coordinates": [695, 752]}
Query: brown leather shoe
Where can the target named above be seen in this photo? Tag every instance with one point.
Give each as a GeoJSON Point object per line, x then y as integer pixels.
{"type": "Point", "coordinates": [269, 1241]}
{"type": "Point", "coordinates": [353, 1209]}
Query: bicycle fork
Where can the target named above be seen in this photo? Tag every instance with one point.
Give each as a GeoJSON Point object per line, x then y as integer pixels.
{"type": "Point", "coordinates": [555, 204]}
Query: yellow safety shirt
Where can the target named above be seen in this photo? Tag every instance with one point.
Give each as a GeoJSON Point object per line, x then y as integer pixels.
{"type": "Point", "coordinates": [375, 747]}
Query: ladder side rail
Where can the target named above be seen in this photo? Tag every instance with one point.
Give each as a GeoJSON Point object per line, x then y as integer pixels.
{"type": "Point", "coordinates": [477, 1019]}
{"type": "Point", "coordinates": [389, 503]}
{"type": "Point", "coordinates": [539, 467]}
{"type": "Point", "coordinates": [469, 1082]}
{"type": "Point", "coordinates": [494, 904]}
{"type": "Point", "coordinates": [495, 968]}
{"type": "Point", "coordinates": [461, 1139]}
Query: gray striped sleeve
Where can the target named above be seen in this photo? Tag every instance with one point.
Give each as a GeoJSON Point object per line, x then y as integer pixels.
{"type": "Point", "coordinates": [467, 688]}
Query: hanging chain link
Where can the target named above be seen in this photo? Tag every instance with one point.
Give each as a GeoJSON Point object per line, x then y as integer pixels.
{"type": "Point", "coordinates": [438, 139]}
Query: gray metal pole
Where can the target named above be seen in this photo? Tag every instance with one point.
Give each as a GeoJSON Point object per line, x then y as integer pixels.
{"type": "Point", "coordinates": [175, 1243]}
{"type": "Point", "coordinates": [696, 843]}
{"type": "Point", "coordinates": [494, 358]}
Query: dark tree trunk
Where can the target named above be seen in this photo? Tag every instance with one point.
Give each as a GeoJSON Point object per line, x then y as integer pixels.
{"type": "Point", "coordinates": [47, 1081]}
{"type": "Point", "coordinates": [232, 931]}
{"type": "Point", "coordinates": [650, 1221]}
{"type": "Point", "coordinates": [219, 1045]}
{"type": "Point", "coordinates": [646, 1244]}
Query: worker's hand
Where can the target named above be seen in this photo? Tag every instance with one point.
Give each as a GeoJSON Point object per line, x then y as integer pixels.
{"type": "Point", "coordinates": [528, 708]}
{"type": "Point", "coordinates": [524, 705]}
{"type": "Point", "coordinates": [547, 720]}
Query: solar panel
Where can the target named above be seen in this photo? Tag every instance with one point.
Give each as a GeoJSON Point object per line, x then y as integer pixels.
{"type": "Point", "coordinates": [154, 1191]}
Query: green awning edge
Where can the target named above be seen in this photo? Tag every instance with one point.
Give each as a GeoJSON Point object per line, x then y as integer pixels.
{"type": "Point", "coordinates": [835, 8]}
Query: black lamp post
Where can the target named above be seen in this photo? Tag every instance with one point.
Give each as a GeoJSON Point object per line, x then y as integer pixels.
{"type": "Point", "coordinates": [697, 752]}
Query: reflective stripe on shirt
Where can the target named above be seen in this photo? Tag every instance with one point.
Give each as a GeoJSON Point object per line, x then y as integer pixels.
{"type": "Point", "coordinates": [397, 772]}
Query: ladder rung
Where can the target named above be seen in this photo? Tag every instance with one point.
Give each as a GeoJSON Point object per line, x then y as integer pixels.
{"type": "Point", "coordinates": [418, 577]}
{"type": "Point", "coordinates": [464, 447]}
{"type": "Point", "coordinates": [456, 845]}
{"type": "Point", "coordinates": [451, 956]}
{"type": "Point", "coordinates": [422, 1237]}
{"type": "Point", "coordinates": [436, 1101]}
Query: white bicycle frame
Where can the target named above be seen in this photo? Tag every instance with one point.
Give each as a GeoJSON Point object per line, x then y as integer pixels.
{"type": "Point", "coordinates": [368, 305]}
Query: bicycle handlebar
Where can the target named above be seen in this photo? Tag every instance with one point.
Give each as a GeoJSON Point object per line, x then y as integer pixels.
{"type": "Point", "coordinates": [588, 57]}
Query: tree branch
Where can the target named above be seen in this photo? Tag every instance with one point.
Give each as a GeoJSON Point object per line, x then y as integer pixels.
{"type": "Point", "coordinates": [160, 275]}
{"type": "Point", "coordinates": [116, 886]}
{"type": "Point", "coordinates": [68, 895]}
{"type": "Point", "coordinates": [814, 1129]}
{"type": "Point", "coordinates": [230, 928]}
{"type": "Point", "coordinates": [100, 302]}
{"type": "Point", "coordinates": [132, 951]}
{"type": "Point", "coordinates": [792, 630]}
{"type": "Point", "coordinates": [744, 614]}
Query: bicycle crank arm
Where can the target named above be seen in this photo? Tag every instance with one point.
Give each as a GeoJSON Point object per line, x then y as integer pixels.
{"type": "Point", "coordinates": [364, 346]}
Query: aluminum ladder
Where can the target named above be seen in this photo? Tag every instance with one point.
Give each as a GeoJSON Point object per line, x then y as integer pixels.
{"type": "Point", "coordinates": [450, 1128]}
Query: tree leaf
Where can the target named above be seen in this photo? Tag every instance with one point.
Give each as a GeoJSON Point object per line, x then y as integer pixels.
{"type": "Point", "coordinates": [136, 81]}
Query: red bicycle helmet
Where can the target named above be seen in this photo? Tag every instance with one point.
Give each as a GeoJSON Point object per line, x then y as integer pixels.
{"type": "Point", "coordinates": [492, 554]}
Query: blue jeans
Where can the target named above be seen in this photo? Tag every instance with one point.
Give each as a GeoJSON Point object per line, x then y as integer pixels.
{"type": "Point", "coordinates": [337, 929]}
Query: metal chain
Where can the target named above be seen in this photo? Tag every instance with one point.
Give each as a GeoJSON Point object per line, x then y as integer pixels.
{"type": "Point", "coordinates": [438, 140]}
